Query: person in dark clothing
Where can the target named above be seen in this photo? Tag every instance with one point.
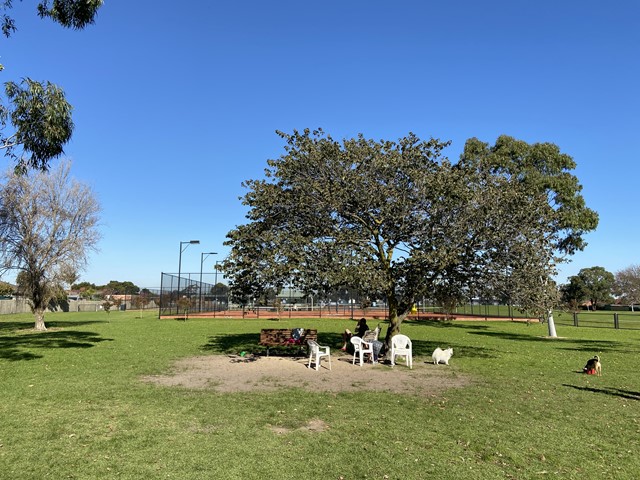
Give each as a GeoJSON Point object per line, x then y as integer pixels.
{"type": "Point", "coordinates": [361, 328]}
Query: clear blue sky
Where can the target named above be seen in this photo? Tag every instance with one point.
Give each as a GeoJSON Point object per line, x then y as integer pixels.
{"type": "Point", "coordinates": [177, 103]}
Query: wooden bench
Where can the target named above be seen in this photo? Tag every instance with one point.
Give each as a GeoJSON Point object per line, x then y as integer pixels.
{"type": "Point", "coordinates": [281, 337]}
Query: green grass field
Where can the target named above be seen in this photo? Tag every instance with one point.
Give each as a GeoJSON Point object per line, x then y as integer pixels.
{"type": "Point", "coordinates": [72, 406]}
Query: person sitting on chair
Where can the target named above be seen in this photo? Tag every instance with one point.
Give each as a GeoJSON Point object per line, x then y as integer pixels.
{"type": "Point", "coordinates": [371, 337]}
{"type": "Point", "coordinates": [361, 328]}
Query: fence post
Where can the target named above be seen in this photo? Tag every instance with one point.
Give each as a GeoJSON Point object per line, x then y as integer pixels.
{"type": "Point", "coordinates": [575, 319]}
{"type": "Point", "coordinates": [616, 321]}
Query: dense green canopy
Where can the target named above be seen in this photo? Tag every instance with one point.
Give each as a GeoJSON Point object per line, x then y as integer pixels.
{"type": "Point", "coordinates": [594, 284]}
{"type": "Point", "coordinates": [399, 219]}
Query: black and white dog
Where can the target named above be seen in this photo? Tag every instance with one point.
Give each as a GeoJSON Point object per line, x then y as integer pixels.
{"type": "Point", "coordinates": [593, 366]}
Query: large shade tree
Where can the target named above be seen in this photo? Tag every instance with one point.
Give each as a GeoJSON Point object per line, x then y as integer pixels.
{"type": "Point", "coordinates": [35, 117]}
{"type": "Point", "coordinates": [399, 219]}
{"type": "Point", "coordinates": [48, 225]}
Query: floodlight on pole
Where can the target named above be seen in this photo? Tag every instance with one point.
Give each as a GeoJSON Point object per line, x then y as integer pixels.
{"type": "Point", "coordinates": [203, 256]}
{"type": "Point", "coordinates": [187, 243]}
{"type": "Point", "coordinates": [215, 306]}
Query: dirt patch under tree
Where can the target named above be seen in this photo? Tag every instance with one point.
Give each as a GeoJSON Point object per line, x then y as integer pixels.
{"type": "Point", "coordinates": [231, 373]}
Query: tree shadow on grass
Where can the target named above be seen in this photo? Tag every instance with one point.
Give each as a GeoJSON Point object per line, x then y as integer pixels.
{"type": "Point", "coordinates": [28, 325]}
{"type": "Point", "coordinates": [233, 343]}
{"type": "Point", "coordinates": [522, 337]}
{"type": "Point", "coordinates": [425, 349]}
{"type": "Point", "coordinates": [248, 342]}
{"type": "Point", "coordinates": [446, 324]}
{"type": "Point", "coordinates": [20, 347]}
{"type": "Point", "coordinates": [592, 346]}
{"type": "Point", "coordinates": [576, 344]}
{"type": "Point", "coordinates": [616, 392]}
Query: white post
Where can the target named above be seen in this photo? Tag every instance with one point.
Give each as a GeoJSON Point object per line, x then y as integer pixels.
{"type": "Point", "coordinates": [552, 325]}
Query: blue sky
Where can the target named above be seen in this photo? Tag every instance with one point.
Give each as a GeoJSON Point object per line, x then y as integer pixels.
{"type": "Point", "coordinates": [175, 104]}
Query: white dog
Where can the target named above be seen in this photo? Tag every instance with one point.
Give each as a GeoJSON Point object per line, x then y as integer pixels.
{"type": "Point", "coordinates": [443, 356]}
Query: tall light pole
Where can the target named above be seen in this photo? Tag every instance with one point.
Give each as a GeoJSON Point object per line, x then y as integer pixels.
{"type": "Point", "coordinates": [202, 257]}
{"type": "Point", "coordinates": [190, 242]}
{"type": "Point", "coordinates": [215, 281]}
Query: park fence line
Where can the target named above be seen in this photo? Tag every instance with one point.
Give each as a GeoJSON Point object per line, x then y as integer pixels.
{"type": "Point", "coordinates": [201, 293]}
{"type": "Point", "coordinates": [617, 320]}
{"type": "Point", "coordinates": [603, 320]}
{"type": "Point", "coordinates": [16, 305]}
{"type": "Point", "coordinates": [209, 300]}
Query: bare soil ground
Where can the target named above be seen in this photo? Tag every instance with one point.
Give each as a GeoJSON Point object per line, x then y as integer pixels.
{"type": "Point", "coordinates": [230, 373]}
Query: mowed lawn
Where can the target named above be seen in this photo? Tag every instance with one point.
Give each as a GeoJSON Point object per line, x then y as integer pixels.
{"type": "Point", "coordinates": [72, 406]}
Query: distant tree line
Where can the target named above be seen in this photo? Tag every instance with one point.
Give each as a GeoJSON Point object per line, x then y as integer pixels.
{"type": "Point", "coordinates": [114, 287]}
{"type": "Point", "coordinates": [86, 290]}
{"type": "Point", "coordinates": [595, 287]}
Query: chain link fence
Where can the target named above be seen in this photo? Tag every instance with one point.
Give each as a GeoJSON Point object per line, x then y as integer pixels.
{"type": "Point", "coordinates": [201, 294]}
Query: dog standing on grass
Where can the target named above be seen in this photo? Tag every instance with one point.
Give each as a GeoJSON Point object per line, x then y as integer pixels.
{"type": "Point", "coordinates": [442, 356]}
{"type": "Point", "coordinates": [593, 366]}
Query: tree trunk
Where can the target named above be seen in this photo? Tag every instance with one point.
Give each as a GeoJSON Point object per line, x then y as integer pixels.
{"type": "Point", "coordinates": [39, 325]}
{"type": "Point", "coordinates": [552, 325]}
{"type": "Point", "coordinates": [395, 319]}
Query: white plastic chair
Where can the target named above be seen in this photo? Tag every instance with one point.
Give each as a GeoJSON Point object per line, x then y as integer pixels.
{"type": "Point", "coordinates": [360, 348]}
{"type": "Point", "coordinates": [319, 352]}
{"type": "Point", "coordinates": [401, 347]}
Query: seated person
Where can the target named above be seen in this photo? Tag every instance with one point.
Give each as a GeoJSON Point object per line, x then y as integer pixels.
{"type": "Point", "coordinates": [371, 337]}
{"type": "Point", "coordinates": [361, 328]}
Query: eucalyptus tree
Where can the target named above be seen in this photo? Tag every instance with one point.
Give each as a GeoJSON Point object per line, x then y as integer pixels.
{"type": "Point", "coordinates": [48, 224]}
{"type": "Point", "coordinates": [627, 285]}
{"type": "Point", "coordinates": [401, 220]}
{"type": "Point", "coordinates": [35, 119]}
{"type": "Point", "coordinates": [553, 194]}
{"type": "Point", "coordinates": [74, 14]}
